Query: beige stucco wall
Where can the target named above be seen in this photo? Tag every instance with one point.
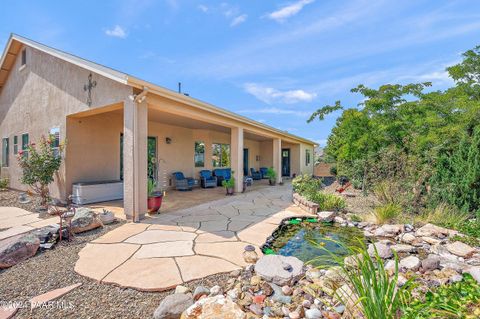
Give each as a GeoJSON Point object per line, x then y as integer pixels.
{"type": "Point", "coordinates": [39, 96]}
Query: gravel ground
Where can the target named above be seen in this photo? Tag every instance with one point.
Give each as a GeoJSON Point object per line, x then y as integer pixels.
{"type": "Point", "coordinates": [10, 198]}
{"type": "Point", "coordinates": [357, 204]}
{"type": "Point", "coordinates": [53, 269]}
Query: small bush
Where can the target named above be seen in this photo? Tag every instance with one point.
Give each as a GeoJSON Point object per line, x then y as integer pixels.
{"type": "Point", "coordinates": [386, 213]}
{"type": "Point", "coordinates": [443, 215]}
{"type": "Point", "coordinates": [326, 201]}
{"type": "Point", "coordinates": [4, 183]}
{"type": "Point", "coordinates": [386, 192]}
{"type": "Point", "coordinates": [469, 240]}
{"type": "Point", "coordinates": [306, 184]}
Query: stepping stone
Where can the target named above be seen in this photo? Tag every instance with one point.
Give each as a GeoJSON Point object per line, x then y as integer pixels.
{"type": "Point", "coordinates": [10, 212]}
{"type": "Point", "coordinates": [7, 313]}
{"type": "Point", "coordinates": [98, 260]}
{"type": "Point", "coordinates": [232, 252]}
{"type": "Point", "coordinates": [218, 236]}
{"type": "Point", "coordinates": [257, 234]}
{"type": "Point", "coordinates": [214, 226]}
{"type": "Point", "coordinates": [157, 236]}
{"type": "Point", "coordinates": [121, 233]}
{"type": "Point", "coordinates": [238, 225]}
{"type": "Point", "coordinates": [154, 274]}
{"type": "Point", "coordinates": [173, 227]}
{"type": "Point", "coordinates": [201, 218]}
{"type": "Point", "coordinates": [196, 267]}
{"type": "Point", "coordinates": [37, 301]}
{"type": "Point", "coordinates": [170, 249]}
{"type": "Point", "coordinates": [17, 230]}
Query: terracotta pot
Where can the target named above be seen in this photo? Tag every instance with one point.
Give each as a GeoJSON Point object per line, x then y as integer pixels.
{"type": "Point", "coordinates": [154, 204]}
{"type": "Point", "coordinates": [229, 190]}
{"type": "Point", "coordinates": [272, 182]}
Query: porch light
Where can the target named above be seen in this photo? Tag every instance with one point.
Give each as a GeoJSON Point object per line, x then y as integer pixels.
{"type": "Point", "coordinates": [168, 140]}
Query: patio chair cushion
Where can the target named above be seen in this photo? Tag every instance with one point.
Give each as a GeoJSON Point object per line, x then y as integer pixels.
{"type": "Point", "coordinates": [182, 182]}
{"type": "Point", "coordinates": [263, 171]}
{"type": "Point", "coordinates": [207, 179]}
{"type": "Point", "coordinates": [256, 175]}
{"type": "Point", "coordinates": [222, 174]}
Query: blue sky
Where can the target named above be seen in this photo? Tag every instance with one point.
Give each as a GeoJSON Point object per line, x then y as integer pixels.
{"type": "Point", "coordinates": [273, 61]}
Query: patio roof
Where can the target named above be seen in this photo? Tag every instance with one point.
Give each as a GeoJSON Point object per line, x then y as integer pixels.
{"type": "Point", "coordinates": [16, 42]}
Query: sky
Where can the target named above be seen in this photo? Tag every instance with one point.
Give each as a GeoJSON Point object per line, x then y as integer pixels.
{"type": "Point", "coordinates": [273, 61]}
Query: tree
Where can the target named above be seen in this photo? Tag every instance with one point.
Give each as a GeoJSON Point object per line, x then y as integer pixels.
{"type": "Point", "coordinates": [39, 164]}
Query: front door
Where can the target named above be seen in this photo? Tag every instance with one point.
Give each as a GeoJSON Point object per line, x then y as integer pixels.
{"type": "Point", "coordinates": [285, 162]}
{"type": "Point", "coordinates": [152, 167]}
{"type": "Point", "coordinates": [245, 161]}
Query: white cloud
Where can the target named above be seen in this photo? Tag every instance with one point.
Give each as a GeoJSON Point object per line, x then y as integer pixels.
{"type": "Point", "coordinates": [270, 95]}
{"type": "Point", "coordinates": [286, 12]}
{"type": "Point", "coordinates": [238, 20]}
{"type": "Point", "coordinates": [277, 111]}
{"type": "Point", "coordinates": [117, 32]}
{"type": "Point", "coordinates": [202, 8]}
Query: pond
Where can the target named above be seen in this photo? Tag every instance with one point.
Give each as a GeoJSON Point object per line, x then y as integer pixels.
{"type": "Point", "coordinates": [307, 240]}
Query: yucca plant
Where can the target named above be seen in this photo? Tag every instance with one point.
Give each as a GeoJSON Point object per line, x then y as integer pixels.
{"type": "Point", "coordinates": [371, 292]}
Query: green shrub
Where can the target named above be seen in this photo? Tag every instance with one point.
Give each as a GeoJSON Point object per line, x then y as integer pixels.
{"type": "Point", "coordinates": [4, 183]}
{"type": "Point", "coordinates": [469, 240]}
{"type": "Point", "coordinates": [458, 300]}
{"type": "Point", "coordinates": [271, 174]}
{"type": "Point", "coordinates": [386, 213]}
{"type": "Point", "coordinates": [326, 201]}
{"type": "Point", "coordinates": [373, 293]}
{"type": "Point", "coordinates": [443, 215]}
{"type": "Point", "coordinates": [303, 184]}
{"type": "Point", "coordinates": [470, 227]}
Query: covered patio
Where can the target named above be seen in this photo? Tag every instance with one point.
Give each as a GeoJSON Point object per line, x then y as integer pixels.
{"type": "Point", "coordinates": [152, 136]}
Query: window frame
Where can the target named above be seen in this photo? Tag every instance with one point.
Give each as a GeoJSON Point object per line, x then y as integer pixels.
{"type": "Point", "coordinates": [15, 144]}
{"type": "Point", "coordinates": [196, 155]}
{"type": "Point", "coordinates": [23, 61]}
{"type": "Point", "coordinates": [55, 131]}
{"type": "Point", "coordinates": [5, 151]}
{"type": "Point", "coordinates": [220, 159]}
{"type": "Point", "coordinates": [25, 145]}
{"type": "Point", "coordinates": [308, 158]}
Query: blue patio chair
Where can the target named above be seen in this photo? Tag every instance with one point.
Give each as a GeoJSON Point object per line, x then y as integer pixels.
{"type": "Point", "coordinates": [263, 171]}
{"type": "Point", "coordinates": [207, 179]}
{"type": "Point", "coordinates": [222, 174]}
{"type": "Point", "coordinates": [183, 183]}
{"type": "Point", "coordinates": [256, 175]}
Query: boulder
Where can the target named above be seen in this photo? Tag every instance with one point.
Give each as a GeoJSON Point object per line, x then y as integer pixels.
{"type": "Point", "coordinates": [402, 248]}
{"type": "Point", "coordinates": [85, 219]}
{"type": "Point", "coordinates": [384, 251]}
{"type": "Point", "coordinates": [199, 292]}
{"type": "Point", "coordinates": [408, 238]}
{"type": "Point", "coordinates": [280, 270]}
{"type": "Point", "coordinates": [430, 230]}
{"type": "Point", "coordinates": [460, 249]}
{"type": "Point", "coordinates": [172, 306]}
{"type": "Point", "coordinates": [214, 307]}
{"type": "Point", "coordinates": [431, 263]}
{"type": "Point", "coordinates": [326, 217]}
{"type": "Point", "coordinates": [410, 263]}
{"type": "Point", "coordinates": [474, 272]}
{"type": "Point", "coordinates": [46, 233]}
{"type": "Point", "coordinates": [106, 217]}
{"type": "Point", "coordinates": [389, 230]}
{"type": "Point", "coordinates": [17, 248]}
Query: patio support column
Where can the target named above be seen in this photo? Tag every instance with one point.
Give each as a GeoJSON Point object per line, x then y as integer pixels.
{"type": "Point", "coordinates": [135, 132]}
{"type": "Point", "coordinates": [236, 137]}
{"type": "Point", "coordinates": [277, 158]}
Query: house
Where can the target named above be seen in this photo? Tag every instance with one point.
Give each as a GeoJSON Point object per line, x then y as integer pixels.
{"type": "Point", "coordinates": [115, 123]}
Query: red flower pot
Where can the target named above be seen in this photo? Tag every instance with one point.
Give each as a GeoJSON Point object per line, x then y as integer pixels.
{"type": "Point", "coordinates": [154, 204]}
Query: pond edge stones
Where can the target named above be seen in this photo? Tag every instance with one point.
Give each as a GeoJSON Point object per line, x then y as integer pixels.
{"type": "Point", "coordinates": [280, 270]}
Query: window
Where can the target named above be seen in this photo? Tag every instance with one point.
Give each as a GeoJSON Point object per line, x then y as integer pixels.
{"type": "Point", "coordinates": [24, 57]}
{"type": "Point", "coordinates": [15, 145]}
{"type": "Point", "coordinates": [5, 152]}
{"type": "Point", "coordinates": [307, 157]}
{"type": "Point", "coordinates": [25, 144]}
{"type": "Point", "coordinates": [55, 136]}
{"type": "Point", "coordinates": [199, 157]}
{"type": "Point", "coordinates": [221, 155]}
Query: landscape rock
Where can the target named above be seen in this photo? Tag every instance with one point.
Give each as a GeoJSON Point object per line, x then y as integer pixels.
{"type": "Point", "coordinates": [280, 270]}
{"type": "Point", "coordinates": [388, 230]}
{"type": "Point", "coordinates": [384, 251]}
{"type": "Point", "coordinates": [17, 248]}
{"type": "Point", "coordinates": [85, 219]}
{"type": "Point", "coordinates": [172, 306]}
{"type": "Point", "coordinates": [106, 217]}
{"type": "Point", "coordinates": [326, 217]}
{"type": "Point", "coordinates": [474, 272]}
{"type": "Point", "coordinates": [181, 289]}
{"type": "Point", "coordinates": [408, 238]}
{"type": "Point", "coordinates": [199, 292]}
{"type": "Point", "coordinates": [431, 263]}
{"type": "Point", "coordinates": [431, 230]}
{"type": "Point", "coordinates": [313, 313]}
{"type": "Point", "coordinates": [402, 248]}
{"type": "Point", "coordinates": [410, 263]}
{"type": "Point", "coordinates": [460, 249]}
{"type": "Point", "coordinates": [214, 307]}
{"type": "Point", "coordinates": [45, 234]}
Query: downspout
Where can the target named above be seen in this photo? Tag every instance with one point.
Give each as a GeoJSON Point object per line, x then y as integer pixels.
{"type": "Point", "coordinates": [137, 99]}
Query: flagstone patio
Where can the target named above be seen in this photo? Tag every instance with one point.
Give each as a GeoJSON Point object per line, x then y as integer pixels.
{"type": "Point", "coordinates": [180, 246]}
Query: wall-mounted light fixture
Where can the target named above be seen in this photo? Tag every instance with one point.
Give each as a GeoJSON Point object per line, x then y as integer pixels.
{"type": "Point", "coordinates": [257, 158]}
{"type": "Point", "coordinates": [168, 140]}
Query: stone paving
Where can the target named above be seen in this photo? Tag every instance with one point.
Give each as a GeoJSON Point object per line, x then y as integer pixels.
{"type": "Point", "coordinates": [15, 221]}
{"type": "Point", "coordinates": [176, 247]}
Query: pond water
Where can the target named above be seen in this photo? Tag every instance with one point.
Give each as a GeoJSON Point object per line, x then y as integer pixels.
{"type": "Point", "coordinates": [308, 240]}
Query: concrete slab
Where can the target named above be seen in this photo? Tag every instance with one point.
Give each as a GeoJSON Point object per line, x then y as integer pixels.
{"type": "Point", "coordinates": [196, 267]}
{"type": "Point", "coordinates": [159, 250]}
{"type": "Point", "coordinates": [157, 236]}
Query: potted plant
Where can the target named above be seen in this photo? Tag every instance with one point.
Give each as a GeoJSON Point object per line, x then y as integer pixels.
{"type": "Point", "coordinates": [229, 185]}
{"type": "Point", "coordinates": [154, 197]}
{"type": "Point", "coordinates": [272, 176]}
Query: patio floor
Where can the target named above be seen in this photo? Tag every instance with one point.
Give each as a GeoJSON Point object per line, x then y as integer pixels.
{"type": "Point", "coordinates": [186, 244]}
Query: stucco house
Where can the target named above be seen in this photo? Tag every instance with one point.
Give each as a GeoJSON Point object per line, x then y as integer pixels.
{"type": "Point", "coordinates": [114, 123]}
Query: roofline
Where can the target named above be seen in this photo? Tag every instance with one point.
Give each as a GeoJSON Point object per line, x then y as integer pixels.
{"type": "Point", "coordinates": [126, 79]}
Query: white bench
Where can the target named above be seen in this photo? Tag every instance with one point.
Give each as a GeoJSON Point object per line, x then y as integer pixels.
{"type": "Point", "coordinates": [94, 192]}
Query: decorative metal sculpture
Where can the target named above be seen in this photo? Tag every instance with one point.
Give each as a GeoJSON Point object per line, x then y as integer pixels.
{"type": "Point", "coordinates": [88, 87]}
